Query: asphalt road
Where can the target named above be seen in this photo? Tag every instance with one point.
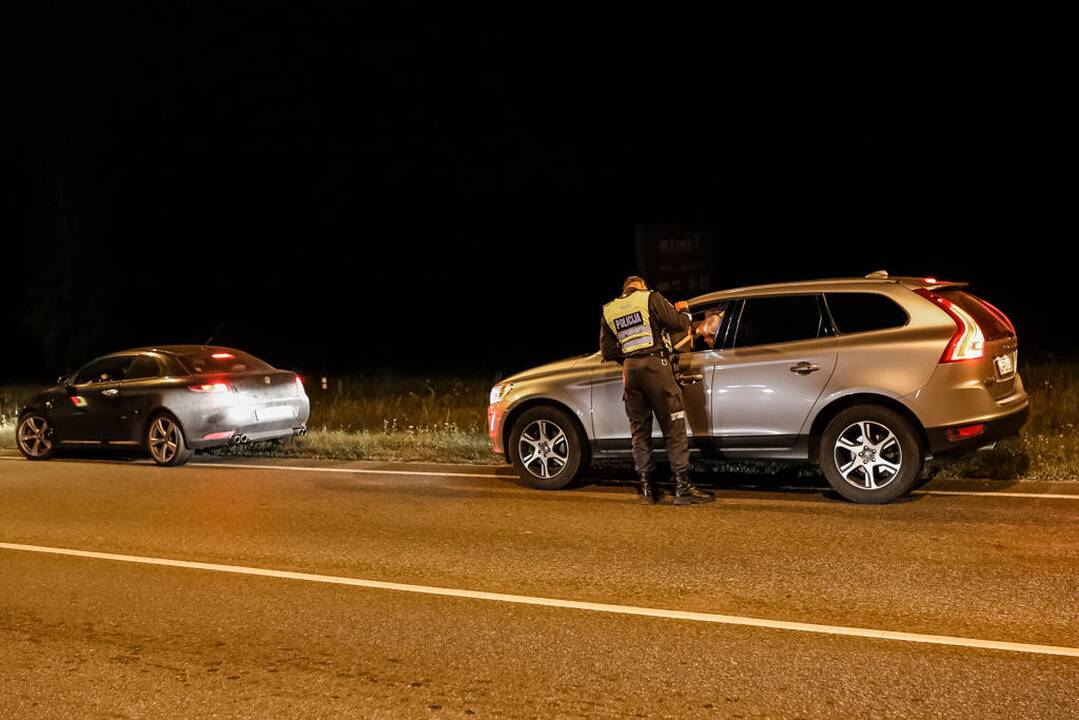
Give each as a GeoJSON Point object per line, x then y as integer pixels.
{"type": "Point", "coordinates": [82, 636]}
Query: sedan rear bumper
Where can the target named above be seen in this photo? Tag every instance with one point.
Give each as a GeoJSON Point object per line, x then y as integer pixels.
{"type": "Point", "coordinates": [223, 426]}
{"type": "Point", "coordinates": [253, 435]}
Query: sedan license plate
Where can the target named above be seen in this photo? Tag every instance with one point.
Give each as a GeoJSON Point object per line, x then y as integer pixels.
{"type": "Point", "coordinates": [1005, 365]}
{"type": "Point", "coordinates": [279, 412]}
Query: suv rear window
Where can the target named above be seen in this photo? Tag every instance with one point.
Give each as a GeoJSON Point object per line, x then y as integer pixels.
{"type": "Point", "coordinates": [992, 326]}
{"type": "Point", "coordinates": [223, 361]}
{"type": "Point", "coordinates": [864, 312]}
{"type": "Point", "coordinates": [781, 319]}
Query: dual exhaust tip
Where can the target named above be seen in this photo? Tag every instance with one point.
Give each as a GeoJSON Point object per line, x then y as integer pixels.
{"type": "Point", "coordinates": [243, 439]}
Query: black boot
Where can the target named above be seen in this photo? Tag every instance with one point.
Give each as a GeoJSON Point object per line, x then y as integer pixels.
{"type": "Point", "coordinates": [647, 490]}
{"type": "Point", "coordinates": [686, 493]}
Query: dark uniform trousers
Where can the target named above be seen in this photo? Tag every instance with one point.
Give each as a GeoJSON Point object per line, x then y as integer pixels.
{"type": "Point", "coordinates": [650, 388]}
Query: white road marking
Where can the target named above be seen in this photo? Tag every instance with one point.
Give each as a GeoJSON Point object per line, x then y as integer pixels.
{"type": "Point", "coordinates": [990, 493]}
{"type": "Point", "coordinates": [432, 473]}
{"type": "Point", "coordinates": [968, 493]}
{"type": "Point", "coordinates": [297, 468]}
{"type": "Point", "coordinates": [568, 604]}
{"type": "Point", "coordinates": [362, 471]}
{"type": "Point", "coordinates": [252, 466]}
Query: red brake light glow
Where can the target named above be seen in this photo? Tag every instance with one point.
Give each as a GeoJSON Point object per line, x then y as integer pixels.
{"type": "Point", "coordinates": [217, 387]}
{"type": "Point", "coordinates": [968, 342]}
{"type": "Point", "coordinates": [965, 432]}
{"type": "Point", "coordinates": [223, 356]}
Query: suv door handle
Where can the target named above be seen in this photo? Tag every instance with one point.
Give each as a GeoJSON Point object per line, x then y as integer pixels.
{"type": "Point", "coordinates": [689, 379]}
{"type": "Point", "coordinates": [111, 392]}
{"type": "Point", "coordinates": [804, 368]}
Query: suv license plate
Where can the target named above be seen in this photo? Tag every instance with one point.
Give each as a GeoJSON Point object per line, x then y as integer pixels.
{"type": "Point", "coordinates": [1005, 365]}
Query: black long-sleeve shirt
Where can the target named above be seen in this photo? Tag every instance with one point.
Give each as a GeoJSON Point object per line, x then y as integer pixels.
{"type": "Point", "coordinates": [661, 315]}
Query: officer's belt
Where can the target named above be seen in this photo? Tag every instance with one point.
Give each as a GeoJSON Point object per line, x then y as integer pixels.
{"type": "Point", "coordinates": [655, 353]}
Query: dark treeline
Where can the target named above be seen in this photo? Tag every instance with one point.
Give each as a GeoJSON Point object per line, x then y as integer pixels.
{"type": "Point", "coordinates": [350, 188]}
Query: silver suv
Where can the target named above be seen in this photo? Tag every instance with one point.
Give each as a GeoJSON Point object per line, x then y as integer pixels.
{"type": "Point", "coordinates": [865, 376]}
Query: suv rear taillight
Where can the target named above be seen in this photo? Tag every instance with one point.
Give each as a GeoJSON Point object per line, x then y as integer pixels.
{"type": "Point", "coordinates": [968, 342]}
{"type": "Point", "coordinates": [999, 315]}
{"type": "Point", "coordinates": [994, 324]}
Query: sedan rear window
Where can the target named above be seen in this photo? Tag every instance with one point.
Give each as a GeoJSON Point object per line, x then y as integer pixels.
{"type": "Point", "coordinates": [223, 361]}
{"type": "Point", "coordinates": [142, 367]}
{"type": "Point", "coordinates": [864, 312]}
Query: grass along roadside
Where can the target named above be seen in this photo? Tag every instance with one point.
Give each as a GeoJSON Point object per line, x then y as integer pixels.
{"type": "Point", "coordinates": [398, 418]}
{"type": "Point", "coordinates": [425, 444]}
{"type": "Point", "coordinates": [12, 398]}
{"type": "Point", "coordinates": [1047, 448]}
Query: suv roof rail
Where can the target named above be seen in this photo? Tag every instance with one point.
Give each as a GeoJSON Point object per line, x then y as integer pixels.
{"type": "Point", "coordinates": [878, 275]}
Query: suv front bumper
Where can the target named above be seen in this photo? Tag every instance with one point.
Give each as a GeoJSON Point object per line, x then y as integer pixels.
{"type": "Point", "coordinates": [496, 416]}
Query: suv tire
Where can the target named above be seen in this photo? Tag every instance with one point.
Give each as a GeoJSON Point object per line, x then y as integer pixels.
{"type": "Point", "coordinates": [874, 472]}
{"type": "Point", "coordinates": [546, 448]}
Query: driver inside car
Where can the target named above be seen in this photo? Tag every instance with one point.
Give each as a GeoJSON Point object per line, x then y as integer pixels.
{"type": "Point", "coordinates": [708, 328]}
{"type": "Point", "coordinates": [701, 334]}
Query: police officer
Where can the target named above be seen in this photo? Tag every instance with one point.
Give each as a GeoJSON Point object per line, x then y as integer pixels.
{"type": "Point", "coordinates": [636, 332]}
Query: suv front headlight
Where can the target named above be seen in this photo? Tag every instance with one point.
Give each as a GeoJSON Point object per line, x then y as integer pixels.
{"type": "Point", "coordinates": [500, 391]}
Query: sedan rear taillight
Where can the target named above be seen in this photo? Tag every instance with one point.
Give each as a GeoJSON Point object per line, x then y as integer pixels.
{"type": "Point", "coordinates": [968, 342]}
{"type": "Point", "coordinates": [217, 387]}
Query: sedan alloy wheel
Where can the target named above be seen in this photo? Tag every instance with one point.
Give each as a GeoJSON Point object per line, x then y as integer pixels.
{"type": "Point", "coordinates": [35, 437]}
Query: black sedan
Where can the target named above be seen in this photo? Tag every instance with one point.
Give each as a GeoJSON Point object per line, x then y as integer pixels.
{"type": "Point", "coordinates": [168, 400]}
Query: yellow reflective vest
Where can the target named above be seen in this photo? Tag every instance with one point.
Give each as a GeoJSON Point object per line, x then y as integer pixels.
{"type": "Point", "coordinates": [627, 317]}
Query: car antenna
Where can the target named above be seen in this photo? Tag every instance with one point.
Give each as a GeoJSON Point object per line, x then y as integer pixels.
{"type": "Point", "coordinates": [214, 334]}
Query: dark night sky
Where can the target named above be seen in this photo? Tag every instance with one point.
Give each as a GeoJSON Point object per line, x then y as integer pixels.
{"type": "Point", "coordinates": [362, 187]}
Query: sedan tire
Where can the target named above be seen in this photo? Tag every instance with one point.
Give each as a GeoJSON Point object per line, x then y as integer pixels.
{"type": "Point", "coordinates": [870, 454]}
{"type": "Point", "coordinates": [546, 448]}
{"type": "Point", "coordinates": [165, 441]}
{"type": "Point", "coordinates": [34, 436]}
